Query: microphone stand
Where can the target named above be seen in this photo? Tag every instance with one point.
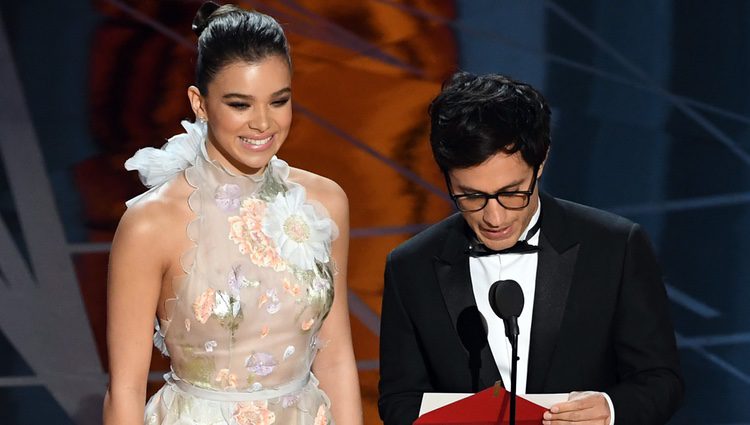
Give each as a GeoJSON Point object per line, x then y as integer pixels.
{"type": "Point", "coordinates": [506, 300]}
{"type": "Point", "coordinates": [514, 361]}
{"type": "Point", "coordinates": [511, 331]}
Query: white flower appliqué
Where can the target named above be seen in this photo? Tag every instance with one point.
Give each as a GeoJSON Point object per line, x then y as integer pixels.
{"type": "Point", "coordinates": [300, 235]}
{"type": "Point", "coordinates": [156, 166]}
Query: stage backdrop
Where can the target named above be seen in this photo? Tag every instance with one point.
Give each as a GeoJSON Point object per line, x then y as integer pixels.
{"type": "Point", "coordinates": [650, 120]}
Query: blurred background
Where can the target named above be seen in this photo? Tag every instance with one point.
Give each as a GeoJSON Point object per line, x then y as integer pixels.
{"type": "Point", "coordinates": [651, 114]}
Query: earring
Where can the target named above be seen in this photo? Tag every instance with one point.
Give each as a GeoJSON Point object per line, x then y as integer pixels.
{"type": "Point", "coordinates": [203, 120]}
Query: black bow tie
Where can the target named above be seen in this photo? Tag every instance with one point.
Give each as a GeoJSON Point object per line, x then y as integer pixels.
{"type": "Point", "coordinates": [521, 247]}
{"type": "Point", "coordinates": [477, 249]}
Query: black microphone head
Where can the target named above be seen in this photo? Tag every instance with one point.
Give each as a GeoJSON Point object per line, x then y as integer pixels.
{"type": "Point", "coordinates": [506, 298]}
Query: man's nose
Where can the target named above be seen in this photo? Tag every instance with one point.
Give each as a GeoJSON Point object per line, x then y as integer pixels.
{"type": "Point", "coordinates": [494, 213]}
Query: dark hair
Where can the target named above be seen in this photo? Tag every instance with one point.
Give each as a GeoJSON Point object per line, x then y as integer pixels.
{"type": "Point", "coordinates": [228, 33]}
{"type": "Point", "coordinates": [477, 116]}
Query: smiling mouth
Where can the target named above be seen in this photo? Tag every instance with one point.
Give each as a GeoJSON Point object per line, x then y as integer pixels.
{"type": "Point", "coordinates": [256, 142]}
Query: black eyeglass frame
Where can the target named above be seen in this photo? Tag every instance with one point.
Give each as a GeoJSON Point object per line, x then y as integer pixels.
{"type": "Point", "coordinates": [496, 196]}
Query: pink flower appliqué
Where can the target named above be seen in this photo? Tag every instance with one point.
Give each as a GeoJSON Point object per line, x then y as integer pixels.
{"type": "Point", "coordinates": [227, 197]}
{"type": "Point", "coordinates": [321, 418]}
{"type": "Point", "coordinates": [227, 380]}
{"type": "Point", "coordinates": [254, 413]}
{"type": "Point", "coordinates": [307, 324]}
{"type": "Point", "coordinates": [292, 289]}
{"type": "Point", "coordinates": [246, 231]}
{"type": "Point", "coordinates": [204, 305]}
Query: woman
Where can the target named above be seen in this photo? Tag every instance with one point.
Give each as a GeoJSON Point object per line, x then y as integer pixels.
{"type": "Point", "coordinates": [236, 253]}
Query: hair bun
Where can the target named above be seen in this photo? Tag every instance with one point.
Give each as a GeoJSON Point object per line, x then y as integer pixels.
{"type": "Point", "coordinates": [201, 20]}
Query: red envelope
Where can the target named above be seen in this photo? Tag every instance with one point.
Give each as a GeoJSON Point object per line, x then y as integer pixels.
{"type": "Point", "coordinates": [484, 408]}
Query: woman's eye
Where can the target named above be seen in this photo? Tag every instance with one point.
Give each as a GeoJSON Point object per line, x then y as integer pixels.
{"type": "Point", "coordinates": [238, 105]}
{"type": "Point", "coordinates": [280, 102]}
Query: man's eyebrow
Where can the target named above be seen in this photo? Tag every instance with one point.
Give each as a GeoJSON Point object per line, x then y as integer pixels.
{"type": "Point", "coordinates": [506, 188]}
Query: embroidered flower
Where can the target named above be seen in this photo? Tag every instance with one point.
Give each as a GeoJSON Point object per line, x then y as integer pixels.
{"type": "Point", "coordinates": [227, 380]}
{"type": "Point", "coordinates": [236, 280]}
{"type": "Point", "coordinates": [274, 179]}
{"type": "Point", "coordinates": [158, 339]}
{"type": "Point", "coordinates": [261, 364]}
{"type": "Point", "coordinates": [320, 418]}
{"type": "Point", "coordinates": [300, 235]}
{"type": "Point", "coordinates": [228, 309]}
{"type": "Point", "coordinates": [307, 324]}
{"type": "Point", "coordinates": [288, 352]}
{"type": "Point", "coordinates": [245, 231]}
{"type": "Point", "coordinates": [289, 400]}
{"type": "Point", "coordinates": [319, 288]}
{"type": "Point", "coordinates": [210, 345]}
{"type": "Point", "coordinates": [253, 413]}
{"type": "Point", "coordinates": [320, 284]}
{"type": "Point", "coordinates": [273, 301]}
{"type": "Point", "coordinates": [225, 305]}
{"type": "Point", "coordinates": [227, 197]}
{"type": "Point", "coordinates": [262, 299]}
{"type": "Point", "coordinates": [264, 331]}
{"type": "Point", "coordinates": [292, 289]}
{"type": "Point", "coordinates": [204, 305]}
{"type": "Point", "coordinates": [317, 344]}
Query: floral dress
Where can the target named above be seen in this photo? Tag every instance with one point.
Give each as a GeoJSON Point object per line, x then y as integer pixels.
{"type": "Point", "coordinates": [241, 329]}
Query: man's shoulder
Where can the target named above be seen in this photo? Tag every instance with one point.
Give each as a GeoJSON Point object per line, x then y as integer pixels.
{"type": "Point", "coordinates": [595, 216]}
{"type": "Point", "coordinates": [429, 242]}
{"type": "Point", "coordinates": [584, 219]}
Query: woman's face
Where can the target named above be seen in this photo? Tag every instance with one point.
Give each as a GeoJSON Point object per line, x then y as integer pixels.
{"type": "Point", "coordinates": [249, 111]}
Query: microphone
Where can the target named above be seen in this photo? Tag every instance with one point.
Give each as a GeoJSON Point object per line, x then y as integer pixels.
{"type": "Point", "coordinates": [506, 300]}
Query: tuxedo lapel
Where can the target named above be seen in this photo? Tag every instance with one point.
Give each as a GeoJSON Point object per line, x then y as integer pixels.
{"type": "Point", "coordinates": [557, 259]}
{"type": "Point", "coordinates": [454, 279]}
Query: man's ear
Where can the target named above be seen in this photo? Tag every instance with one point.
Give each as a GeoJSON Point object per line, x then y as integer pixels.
{"type": "Point", "coordinates": [198, 103]}
{"type": "Point", "coordinates": [541, 168]}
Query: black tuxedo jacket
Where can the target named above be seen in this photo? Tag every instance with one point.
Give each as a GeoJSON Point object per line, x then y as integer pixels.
{"type": "Point", "coordinates": [600, 318]}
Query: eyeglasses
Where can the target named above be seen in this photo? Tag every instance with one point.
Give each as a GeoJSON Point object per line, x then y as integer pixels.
{"type": "Point", "coordinates": [510, 200]}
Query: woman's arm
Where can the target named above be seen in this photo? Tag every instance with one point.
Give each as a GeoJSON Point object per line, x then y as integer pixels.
{"type": "Point", "coordinates": [335, 366]}
{"type": "Point", "coordinates": [135, 275]}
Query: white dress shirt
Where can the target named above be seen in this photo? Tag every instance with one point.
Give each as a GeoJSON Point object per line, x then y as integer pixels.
{"type": "Point", "coordinates": [522, 268]}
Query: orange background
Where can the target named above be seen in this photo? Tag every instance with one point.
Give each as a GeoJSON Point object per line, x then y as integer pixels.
{"type": "Point", "coordinates": [364, 74]}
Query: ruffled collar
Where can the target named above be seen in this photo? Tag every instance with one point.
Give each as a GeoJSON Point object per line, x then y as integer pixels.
{"type": "Point", "coordinates": [157, 166]}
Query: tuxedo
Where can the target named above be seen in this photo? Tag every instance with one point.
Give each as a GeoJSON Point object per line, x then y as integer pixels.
{"type": "Point", "coordinates": [599, 321]}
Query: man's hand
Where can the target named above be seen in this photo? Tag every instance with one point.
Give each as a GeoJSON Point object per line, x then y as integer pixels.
{"type": "Point", "coordinates": [590, 408]}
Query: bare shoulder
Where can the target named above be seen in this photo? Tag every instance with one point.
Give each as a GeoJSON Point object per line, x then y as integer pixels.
{"type": "Point", "coordinates": [156, 222]}
{"type": "Point", "coordinates": [323, 190]}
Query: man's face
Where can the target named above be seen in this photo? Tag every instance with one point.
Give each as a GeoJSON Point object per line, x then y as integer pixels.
{"type": "Point", "coordinates": [494, 225]}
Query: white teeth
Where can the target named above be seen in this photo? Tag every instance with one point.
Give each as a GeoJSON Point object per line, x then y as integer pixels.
{"type": "Point", "coordinates": [256, 142]}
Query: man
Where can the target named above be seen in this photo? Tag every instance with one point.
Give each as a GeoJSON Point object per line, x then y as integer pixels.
{"type": "Point", "coordinates": [595, 321]}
